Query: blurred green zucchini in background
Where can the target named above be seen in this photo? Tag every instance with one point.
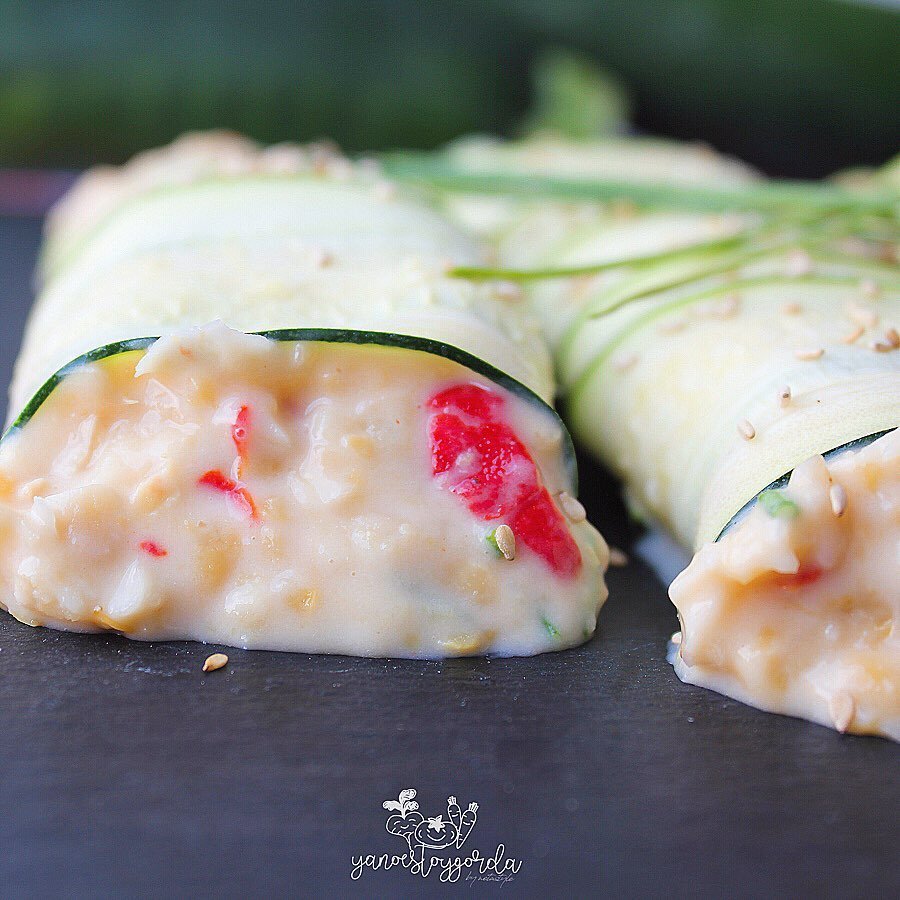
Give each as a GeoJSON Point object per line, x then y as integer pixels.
{"type": "Point", "coordinates": [800, 88]}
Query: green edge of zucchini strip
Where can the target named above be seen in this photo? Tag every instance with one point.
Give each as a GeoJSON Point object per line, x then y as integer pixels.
{"type": "Point", "coordinates": [778, 483]}
{"type": "Point", "coordinates": [323, 335]}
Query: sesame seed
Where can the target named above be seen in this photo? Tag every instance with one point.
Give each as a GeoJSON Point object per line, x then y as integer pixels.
{"type": "Point", "coordinates": [324, 147]}
{"type": "Point", "coordinates": [581, 285]}
{"type": "Point", "coordinates": [838, 498]}
{"type": "Point", "coordinates": [889, 253]}
{"type": "Point", "coordinates": [784, 395]}
{"type": "Point", "coordinates": [673, 326]}
{"type": "Point", "coordinates": [216, 661]}
{"type": "Point", "coordinates": [792, 309]}
{"type": "Point", "coordinates": [506, 541]}
{"type": "Point", "coordinates": [624, 362]}
{"type": "Point", "coordinates": [624, 209]}
{"type": "Point", "coordinates": [862, 315]}
{"type": "Point", "coordinates": [892, 337]}
{"type": "Point", "coordinates": [799, 263]}
{"type": "Point", "coordinates": [730, 306]}
{"type": "Point", "coordinates": [384, 191]}
{"type": "Point", "coordinates": [869, 287]}
{"type": "Point", "coordinates": [235, 166]}
{"type": "Point", "coordinates": [676, 638]}
{"type": "Point", "coordinates": [339, 168]}
{"type": "Point", "coordinates": [842, 709]}
{"type": "Point", "coordinates": [851, 337]}
{"type": "Point", "coordinates": [322, 258]}
{"type": "Point", "coordinates": [508, 290]}
{"type": "Point", "coordinates": [573, 510]}
{"type": "Point", "coordinates": [617, 557]}
{"type": "Point", "coordinates": [809, 353]}
{"type": "Point", "coordinates": [746, 430]}
{"type": "Point", "coordinates": [855, 246]}
{"type": "Point", "coordinates": [283, 159]}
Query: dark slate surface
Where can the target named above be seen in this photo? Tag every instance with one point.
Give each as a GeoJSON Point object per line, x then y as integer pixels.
{"type": "Point", "coordinates": [126, 771]}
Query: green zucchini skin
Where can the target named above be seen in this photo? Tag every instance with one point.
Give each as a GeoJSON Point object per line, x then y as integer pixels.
{"type": "Point", "coordinates": [324, 335]}
{"type": "Point", "coordinates": [856, 444]}
{"type": "Point", "coordinates": [50, 385]}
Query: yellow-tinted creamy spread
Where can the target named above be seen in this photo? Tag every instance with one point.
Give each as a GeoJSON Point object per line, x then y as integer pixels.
{"type": "Point", "coordinates": [226, 487]}
{"type": "Point", "coordinates": [796, 609]}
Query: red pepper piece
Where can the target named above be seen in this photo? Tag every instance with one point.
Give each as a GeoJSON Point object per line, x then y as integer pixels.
{"type": "Point", "coordinates": [477, 456]}
{"type": "Point", "coordinates": [471, 399]}
{"type": "Point", "coordinates": [237, 493]}
{"type": "Point", "coordinates": [544, 531]}
{"type": "Point", "coordinates": [806, 574]}
{"type": "Point", "coordinates": [153, 549]}
{"type": "Point", "coordinates": [240, 434]}
{"type": "Point", "coordinates": [240, 431]}
{"type": "Point", "coordinates": [486, 465]}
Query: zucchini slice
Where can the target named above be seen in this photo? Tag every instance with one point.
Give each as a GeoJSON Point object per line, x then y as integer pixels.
{"type": "Point", "coordinates": [325, 335]}
{"type": "Point", "coordinates": [782, 482]}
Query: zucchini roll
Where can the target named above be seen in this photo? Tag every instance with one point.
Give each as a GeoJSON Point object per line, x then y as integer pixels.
{"type": "Point", "coordinates": [251, 408]}
{"type": "Point", "coordinates": [739, 369]}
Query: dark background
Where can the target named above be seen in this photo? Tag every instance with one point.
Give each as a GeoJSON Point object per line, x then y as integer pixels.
{"type": "Point", "coordinates": [127, 772]}
{"type": "Point", "coordinates": [798, 87]}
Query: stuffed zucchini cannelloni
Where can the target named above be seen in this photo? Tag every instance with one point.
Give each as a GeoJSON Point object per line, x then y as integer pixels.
{"type": "Point", "coordinates": [739, 368]}
{"type": "Point", "coordinates": [252, 408]}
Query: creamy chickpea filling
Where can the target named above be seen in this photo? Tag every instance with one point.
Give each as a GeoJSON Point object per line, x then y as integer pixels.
{"type": "Point", "coordinates": [306, 496]}
{"type": "Point", "coordinates": [796, 609]}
